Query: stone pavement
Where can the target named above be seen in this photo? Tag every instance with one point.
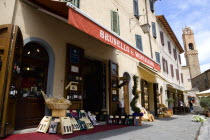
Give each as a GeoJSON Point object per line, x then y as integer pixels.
{"type": "Point", "coordinates": [204, 133]}
{"type": "Point", "coordinates": [179, 127]}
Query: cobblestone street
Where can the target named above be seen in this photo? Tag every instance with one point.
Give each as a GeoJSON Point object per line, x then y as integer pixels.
{"type": "Point", "coordinates": [179, 127]}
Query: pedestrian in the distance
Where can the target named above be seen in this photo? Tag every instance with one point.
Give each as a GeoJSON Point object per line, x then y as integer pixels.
{"type": "Point", "coordinates": [191, 106]}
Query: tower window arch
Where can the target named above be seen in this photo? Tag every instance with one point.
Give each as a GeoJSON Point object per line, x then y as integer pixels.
{"type": "Point", "coordinates": [191, 47]}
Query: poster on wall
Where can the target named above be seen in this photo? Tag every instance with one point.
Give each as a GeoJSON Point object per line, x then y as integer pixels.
{"type": "Point", "coordinates": [74, 56]}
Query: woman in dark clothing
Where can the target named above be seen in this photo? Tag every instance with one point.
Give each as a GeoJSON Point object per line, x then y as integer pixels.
{"type": "Point", "coordinates": [191, 106]}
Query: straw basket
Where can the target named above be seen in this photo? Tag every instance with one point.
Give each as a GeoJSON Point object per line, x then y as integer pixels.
{"type": "Point", "coordinates": [60, 106]}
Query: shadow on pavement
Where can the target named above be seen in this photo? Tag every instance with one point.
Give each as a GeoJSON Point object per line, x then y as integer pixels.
{"type": "Point", "coordinates": [111, 133]}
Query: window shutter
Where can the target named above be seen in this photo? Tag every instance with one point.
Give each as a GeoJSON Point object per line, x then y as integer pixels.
{"type": "Point", "coordinates": [182, 77]}
{"type": "Point", "coordinates": [136, 8]}
{"type": "Point", "coordinates": [162, 38]}
{"type": "Point", "coordinates": [180, 61]}
{"type": "Point", "coordinates": [154, 30]}
{"type": "Point", "coordinates": [152, 5]}
{"type": "Point", "coordinates": [175, 55]}
{"type": "Point", "coordinates": [115, 22]}
{"type": "Point", "coordinates": [169, 46]}
{"type": "Point", "coordinates": [166, 66]}
{"type": "Point", "coordinates": [163, 61]}
{"type": "Point", "coordinates": [139, 42]}
{"type": "Point", "coordinates": [157, 54]}
{"type": "Point", "coordinates": [172, 71]}
{"type": "Point", "coordinates": [76, 3]}
{"type": "Point", "coordinates": [177, 74]}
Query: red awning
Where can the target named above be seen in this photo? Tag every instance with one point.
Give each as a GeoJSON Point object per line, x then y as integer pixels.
{"type": "Point", "coordinates": [88, 25]}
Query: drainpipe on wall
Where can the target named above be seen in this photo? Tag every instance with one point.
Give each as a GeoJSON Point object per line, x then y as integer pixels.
{"type": "Point", "coordinates": [150, 43]}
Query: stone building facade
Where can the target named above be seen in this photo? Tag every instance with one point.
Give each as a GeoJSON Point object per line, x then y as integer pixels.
{"type": "Point", "coordinates": [191, 53]}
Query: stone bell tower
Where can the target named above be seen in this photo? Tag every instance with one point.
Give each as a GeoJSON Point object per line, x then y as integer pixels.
{"type": "Point", "coordinates": [191, 53]}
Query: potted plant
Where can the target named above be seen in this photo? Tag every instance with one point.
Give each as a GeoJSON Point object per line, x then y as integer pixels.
{"type": "Point", "coordinates": [133, 104]}
{"type": "Point", "coordinates": [170, 100]}
{"type": "Point", "coordinates": [205, 103]}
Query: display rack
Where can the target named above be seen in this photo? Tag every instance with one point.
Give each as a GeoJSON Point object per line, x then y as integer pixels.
{"type": "Point", "coordinates": [74, 75]}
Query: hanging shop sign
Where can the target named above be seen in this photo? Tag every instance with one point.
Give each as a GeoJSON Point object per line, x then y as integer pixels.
{"type": "Point", "coordinates": [84, 23]}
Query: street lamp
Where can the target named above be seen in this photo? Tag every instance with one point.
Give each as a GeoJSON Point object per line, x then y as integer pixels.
{"type": "Point", "coordinates": [145, 28]}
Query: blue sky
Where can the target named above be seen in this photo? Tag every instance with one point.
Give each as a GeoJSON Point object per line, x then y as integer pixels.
{"type": "Point", "coordinates": [194, 14]}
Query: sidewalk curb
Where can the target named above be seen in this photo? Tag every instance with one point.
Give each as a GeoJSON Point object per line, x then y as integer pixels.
{"type": "Point", "coordinates": [198, 132]}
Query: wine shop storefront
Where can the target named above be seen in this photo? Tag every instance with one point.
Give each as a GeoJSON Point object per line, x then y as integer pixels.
{"type": "Point", "coordinates": [53, 50]}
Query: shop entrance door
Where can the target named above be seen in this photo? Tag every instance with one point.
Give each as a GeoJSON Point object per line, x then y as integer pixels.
{"type": "Point", "coordinates": [93, 85]}
{"type": "Point", "coordinates": [34, 69]}
{"type": "Point", "coordinates": [11, 44]}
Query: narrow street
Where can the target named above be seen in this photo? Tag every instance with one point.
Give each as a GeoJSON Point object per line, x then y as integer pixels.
{"type": "Point", "coordinates": [179, 127]}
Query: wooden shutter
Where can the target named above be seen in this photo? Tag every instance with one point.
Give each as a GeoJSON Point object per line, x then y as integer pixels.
{"type": "Point", "coordinates": [175, 55]}
{"type": "Point", "coordinates": [180, 62]}
{"type": "Point", "coordinates": [162, 38]}
{"type": "Point", "coordinates": [166, 65]}
{"type": "Point", "coordinates": [136, 8]}
{"type": "Point", "coordinates": [172, 71]}
{"type": "Point", "coordinates": [152, 5]}
{"type": "Point", "coordinates": [139, 42]}
{"type": "Point", "coordinates": [113, 87]}
{"type": "Point", "coordinates": [169, 46]}
{"type": "Point", "coordinates": [182, 77]}
{"type": "Point", "coordinates": [11, 44]}
{"type": "Point", "coordinates": [163, 61]}
{"type": "Point", "coordinates": [157, 54]}
{"type": "Point", "coordinates": [76, 3]}
{"type": "Point", "coordinates": [177, 74]}
{"type": "Point", "coordinates": [115, 22]}
{"type": "Point", "coordinates": [154, 30]}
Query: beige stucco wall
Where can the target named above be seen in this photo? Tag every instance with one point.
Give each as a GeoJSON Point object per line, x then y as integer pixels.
{"type": "Point", "coordinates": [186, 78]}
{"type": "Point", "coordinates": [6, 11]}
{"type": "Point", "coordinates": [34, 23]}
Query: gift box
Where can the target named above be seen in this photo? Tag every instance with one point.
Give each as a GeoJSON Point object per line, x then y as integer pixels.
{"type": "Point", "coordinates": [115, 119]}
{"type": "Point", "coordinates": [82, 114]}
{"type": "Point", "coordinates": [44, 124]}
{"type": "Point", "coordinates": [82, 124]}
{"type": "Point", "coordinates": [75, 125]}
{"type": "Point", "coordinates": [137, 121]}
{"type": "Point", "coordinates": [66, 126]}
{"type": "Point", "coordinates": [122, 120]}
{"type": "Point", "coordinates": [110, 119]}
{"type": "Point", "coordinates": [54, 125]}
{"type": "Point", "coordinates": [129, 120]}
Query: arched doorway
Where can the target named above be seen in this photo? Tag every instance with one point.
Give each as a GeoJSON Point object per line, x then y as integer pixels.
{"type": "Point", "coordinates": [34, 65]}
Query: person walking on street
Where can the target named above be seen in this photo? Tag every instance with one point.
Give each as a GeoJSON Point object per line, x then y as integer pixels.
{"type": "Point", "coordinates": [191, 106]}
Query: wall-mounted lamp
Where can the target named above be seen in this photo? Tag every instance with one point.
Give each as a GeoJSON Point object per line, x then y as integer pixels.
{"type": "Point", "coordinates": [145, 28]}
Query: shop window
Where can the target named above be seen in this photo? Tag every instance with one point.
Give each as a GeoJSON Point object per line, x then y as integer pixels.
{"type": "Point", "coordinates": [152, 7]}
{"type": "Point", "coordinates": [115, 24]}
{"type": "Point", "coordinates": [169, 47]}
{"type": "Point", "coordinates": [154, 30]}
{"type": "Point", "coordinates": [157, 54]}
{"type": "Point", "coordinates": [136, 8]}
{"type": "Point", "coordinates": [139, 42]}
{"type": "Point", "coordinates": [162, 38]}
